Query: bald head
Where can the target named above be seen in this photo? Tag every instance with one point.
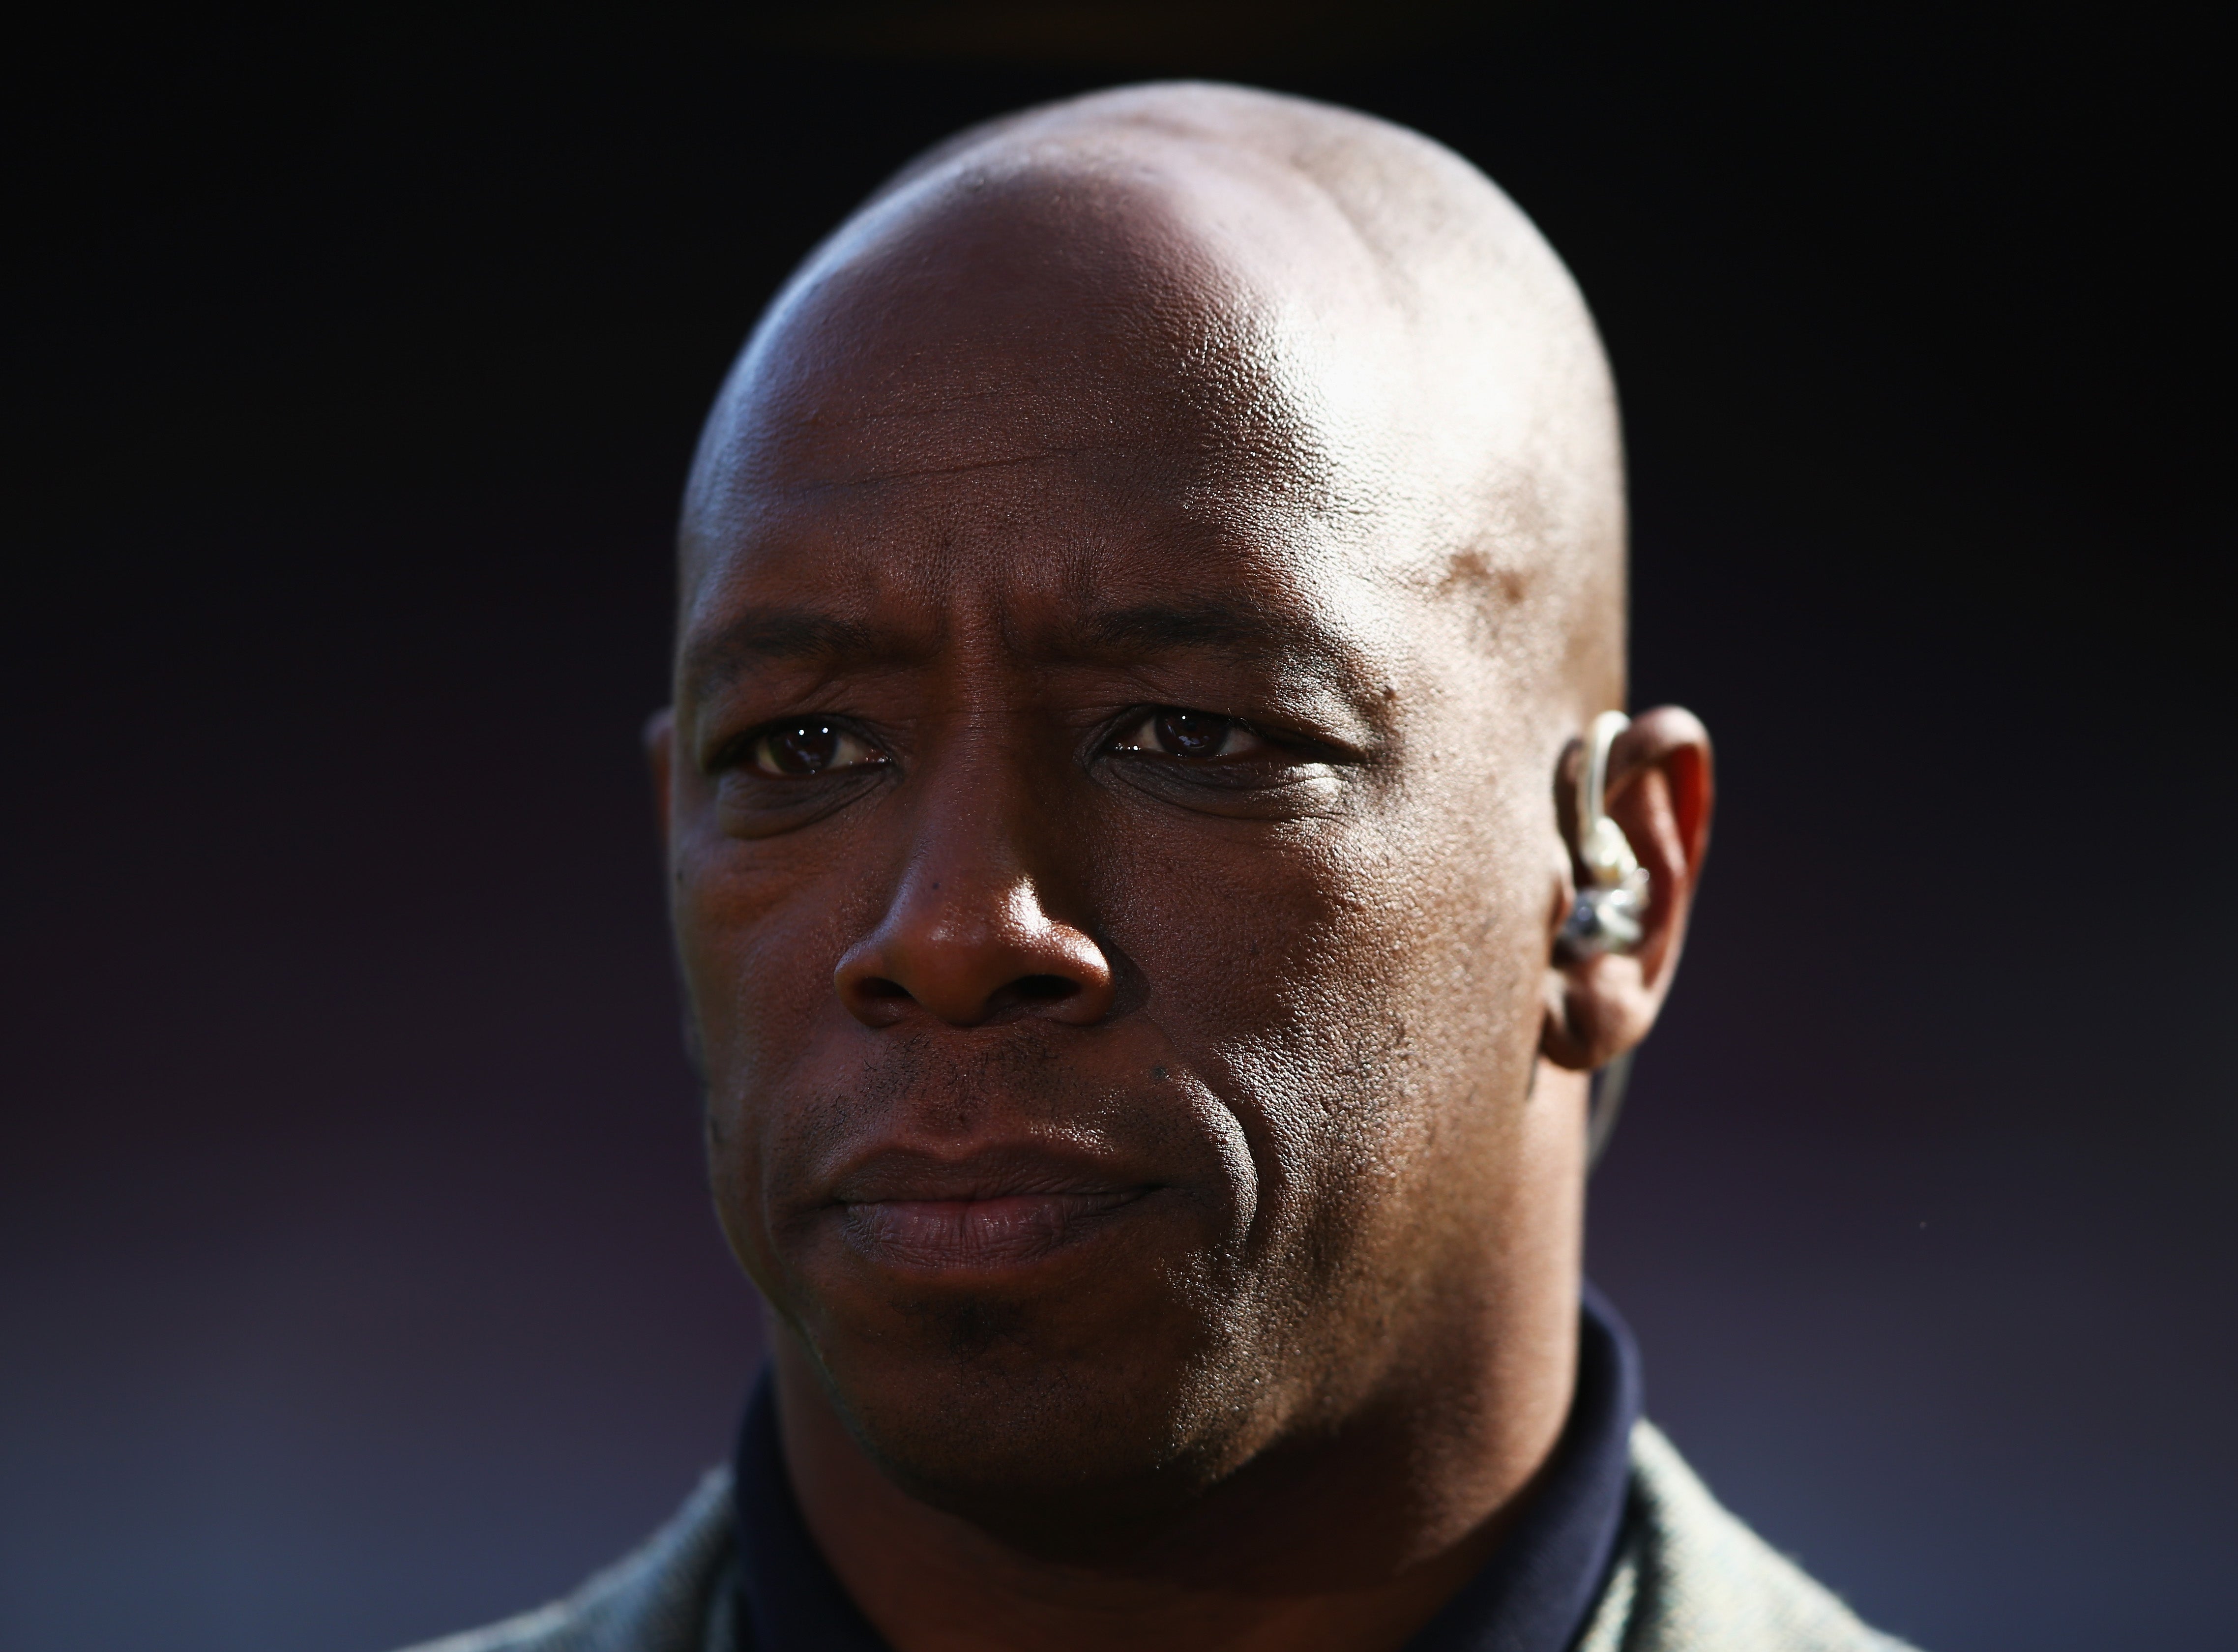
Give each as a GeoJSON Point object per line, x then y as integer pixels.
{"type": "Point", "coordinates": [1351, 313]}
{"type": "Point", "coordinates": [1143, 583]}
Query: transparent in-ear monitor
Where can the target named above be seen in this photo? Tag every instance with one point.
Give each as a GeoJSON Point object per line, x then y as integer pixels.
{"type": "Point", "coordinates": [1612, 905]}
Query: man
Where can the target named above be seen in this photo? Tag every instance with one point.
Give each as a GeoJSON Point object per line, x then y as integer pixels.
{"type": "Point", "coordinates": [1147, 591]}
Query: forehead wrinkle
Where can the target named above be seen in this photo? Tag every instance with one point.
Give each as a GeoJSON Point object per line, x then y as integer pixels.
{"type": "Point", "coordinates": [1246, 633]}
{"type": "Point", "coordinates": [786, 636]}
{"type": "Point", "coordinates": [822, 487]}
{"type": "Point", "coordinates": [1338, 299]}
{"type": "Point", "coordinates": [1195, 622]}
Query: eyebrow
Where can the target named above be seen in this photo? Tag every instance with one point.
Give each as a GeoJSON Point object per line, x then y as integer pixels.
{"type": "Point", "coordinates": [777, 637]}
{"type": "Point", "coordinates": [1203, 623]}
{"type": "Point", "coordinates": [1243, 632]}
{"type": "Point", "coordinates": [1251, 634]}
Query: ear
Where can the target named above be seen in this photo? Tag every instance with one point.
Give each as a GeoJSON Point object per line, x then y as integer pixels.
{"type": "Point", "coordinates": [1661, 789]}
{"type": "Point", "coordinates": [659, 737]}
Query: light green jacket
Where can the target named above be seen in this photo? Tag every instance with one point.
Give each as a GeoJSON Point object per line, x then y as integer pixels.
{"type": "Point", "coordinates": [1689, 1578]}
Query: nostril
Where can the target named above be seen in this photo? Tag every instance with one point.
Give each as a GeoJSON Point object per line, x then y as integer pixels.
{"type": "Point", "coordinates": [877, 986]}
{"type": "Point", "coordinates": [1043, 989]}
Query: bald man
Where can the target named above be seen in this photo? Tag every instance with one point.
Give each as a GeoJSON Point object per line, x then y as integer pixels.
{"type": "Point", "coordinates": [1151, 896]}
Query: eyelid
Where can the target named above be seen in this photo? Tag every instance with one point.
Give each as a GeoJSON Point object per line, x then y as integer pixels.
{"type": "Point", "coordinates": [1137, 734]}
{"type": "Point", "coordinates": [871, 757]}
{"type": "Point", "coordinates": [743, 749]}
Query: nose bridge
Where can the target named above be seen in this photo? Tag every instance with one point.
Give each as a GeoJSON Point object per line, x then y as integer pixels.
{"type": "Point", "coordinates": [970, 855]}
{"type": "Point", "coordinates": [978, 924]}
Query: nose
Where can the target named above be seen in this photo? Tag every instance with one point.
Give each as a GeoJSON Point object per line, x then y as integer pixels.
{"type": "Point", "coordinates": [969, 940]}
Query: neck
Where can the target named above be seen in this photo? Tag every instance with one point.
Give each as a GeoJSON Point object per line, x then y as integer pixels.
{"type": "Point", "coordinates": [1350, 1536]}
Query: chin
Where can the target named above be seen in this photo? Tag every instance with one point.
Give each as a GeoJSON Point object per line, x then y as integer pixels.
{"type": "Point", "coordinates": [1066, 1460]}
{"type": "Point", "coordinates": [1058, 1406]}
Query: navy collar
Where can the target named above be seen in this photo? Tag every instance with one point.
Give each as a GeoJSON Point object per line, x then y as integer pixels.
{"type": "Point", "coordinates": [1534, 1595]}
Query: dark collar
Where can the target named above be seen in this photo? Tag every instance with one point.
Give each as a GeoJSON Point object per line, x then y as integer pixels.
{"type": "Point", "coordinates": [1534, 1595]}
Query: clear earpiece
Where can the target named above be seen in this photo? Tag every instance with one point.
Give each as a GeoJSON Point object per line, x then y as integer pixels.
{"type": "Point", "coordinates": [1613, 899]}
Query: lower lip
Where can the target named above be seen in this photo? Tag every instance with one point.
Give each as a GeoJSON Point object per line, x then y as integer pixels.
{"type": "Point", "coordinates": [1000, 1232]}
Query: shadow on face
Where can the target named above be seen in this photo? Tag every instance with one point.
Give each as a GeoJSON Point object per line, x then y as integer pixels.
{"type": "Point", "coordinates": [1113, 848]}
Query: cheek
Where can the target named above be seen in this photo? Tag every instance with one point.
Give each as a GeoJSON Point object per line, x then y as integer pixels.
{"type": "Point", "coordinates": [757, 961]}
{"type": "Point", "coordinates": [760, 928]}
{"type": "Point", "coordinates": [758, 940]}
{"type": "Point", "coordinates": [1282, 974]}
{"type": "Point", "coordinates": [1359, 995]}
{"type": "Point", "coordinates": [1232, 933]}
{"type": "Point", "coordinates": [1362, 930]}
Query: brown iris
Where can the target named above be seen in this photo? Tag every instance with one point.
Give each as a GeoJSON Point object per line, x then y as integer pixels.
{"type": "Point", "coordinates": [801, 749]}
{"type": "Point", "coordinates": [1192, 733]}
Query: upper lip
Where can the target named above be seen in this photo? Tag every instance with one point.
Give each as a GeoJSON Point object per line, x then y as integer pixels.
{"type": "Point", "coordinates": [899, 1175]}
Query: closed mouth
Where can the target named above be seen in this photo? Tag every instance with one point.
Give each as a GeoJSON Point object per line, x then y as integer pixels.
{"type": "Point", "coordinates": [981, 1230]}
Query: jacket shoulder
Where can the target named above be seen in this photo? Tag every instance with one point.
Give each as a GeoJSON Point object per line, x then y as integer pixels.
{"type": "Point", "coordinates": [1691, 1577]}
{"type": "Point", "coordinates": [665, 1597]}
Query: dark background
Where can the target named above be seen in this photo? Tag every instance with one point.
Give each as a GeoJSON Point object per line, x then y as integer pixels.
{"type": "Point", "coordinates": [356, 1277]}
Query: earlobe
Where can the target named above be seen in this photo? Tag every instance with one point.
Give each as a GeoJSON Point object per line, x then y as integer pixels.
{"type": "Point", "coordinates": [1636, 861]}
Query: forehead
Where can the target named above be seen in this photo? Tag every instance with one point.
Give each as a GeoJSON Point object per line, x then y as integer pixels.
{"type": "Point", "coordinates": [1084, 383]}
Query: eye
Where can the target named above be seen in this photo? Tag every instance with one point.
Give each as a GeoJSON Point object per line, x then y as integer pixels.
{"type": "Point", "coordinates": [1193, 736]}
{"type": "Point", "coordinates": [799, 751]}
